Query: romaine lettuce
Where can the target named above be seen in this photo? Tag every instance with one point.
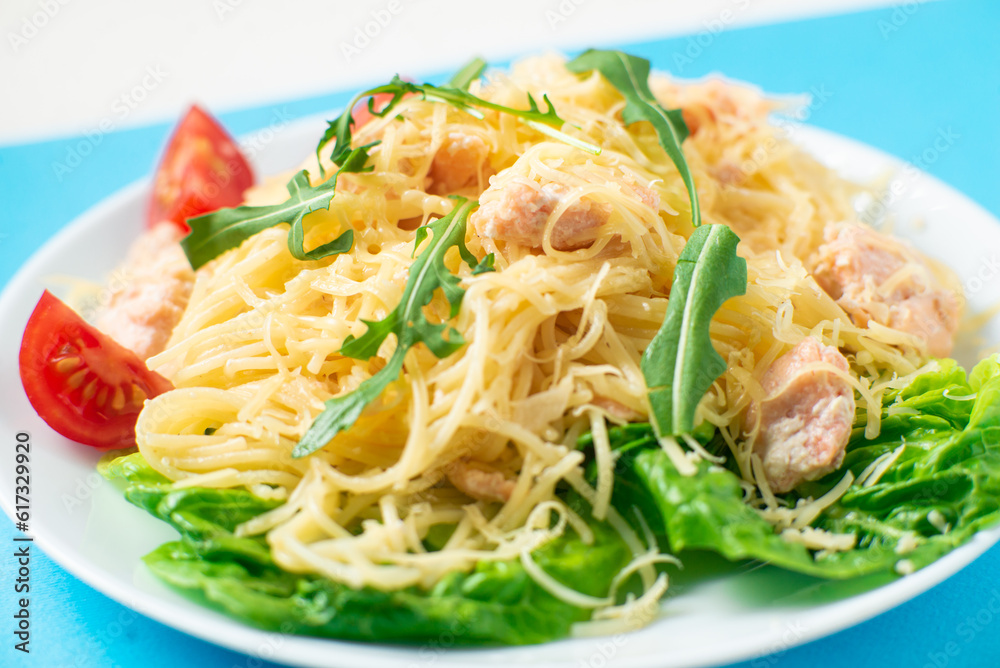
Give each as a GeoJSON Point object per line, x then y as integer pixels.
{"type": "Point", "coordinates": [942, 488]}
{"type": "Point", "coordinates": [496, 602]}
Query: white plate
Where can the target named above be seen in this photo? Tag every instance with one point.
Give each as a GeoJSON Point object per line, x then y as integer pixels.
{"type": "Point", "coordinates": [85, 525]}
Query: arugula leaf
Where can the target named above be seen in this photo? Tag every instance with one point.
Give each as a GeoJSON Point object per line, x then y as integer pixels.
{"type": "Point", "coordinates": [485, 265]}
{"type": "Point", "coordinates": [219, 231]}
{"type": "Point", "coordinates": [407, 322]}
{"type": "Point", "coordinates": [546, 121]}
{"type": "Point", "coordinates": [341, 128]}
{"type": "Point", "coordinates": [214, 233]}
{"type": "Point", "coordinates": [471, 71]}
{"type": "Point", "coordinates": [680, 363]}
{"type": "Point", "coordinates": [630, 75]}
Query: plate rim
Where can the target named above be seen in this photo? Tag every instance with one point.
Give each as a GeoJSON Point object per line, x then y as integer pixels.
{"type": "Point", "coordinates": [218, 628]}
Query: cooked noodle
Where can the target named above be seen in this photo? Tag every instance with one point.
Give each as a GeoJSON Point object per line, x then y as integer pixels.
{"type": "Point", "coordinates": [554, 337]}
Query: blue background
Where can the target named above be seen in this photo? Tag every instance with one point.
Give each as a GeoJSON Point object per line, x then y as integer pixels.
{"type": "Point", "coordinates": [893, 78]}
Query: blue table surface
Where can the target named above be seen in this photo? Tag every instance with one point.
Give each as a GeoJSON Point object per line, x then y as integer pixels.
{"type": "Point", "coordinates": [893, 78]}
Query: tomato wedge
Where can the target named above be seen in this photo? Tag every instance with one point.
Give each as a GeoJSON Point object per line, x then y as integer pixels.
{"type": "Point", "coordinates": [202, 170]}
{"type": "Point", "coordinates": [362, 115]}
{"type": "Point", "coordinates": [81, 382]}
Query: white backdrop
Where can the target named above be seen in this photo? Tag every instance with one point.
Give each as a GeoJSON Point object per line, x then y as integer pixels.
{"type": "Point", "coordinates": [67, 64]}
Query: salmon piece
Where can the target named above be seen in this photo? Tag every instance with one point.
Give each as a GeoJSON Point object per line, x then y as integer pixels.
{"type": "Point", "coordinates": [615, 409]}
{"type": "Point", "coordinates": [458, 164]}
{"type": "Point", "coordinates": [876, 278]}
{"type": "Point", "coordinates": [728, 173]}
{"type": "Point", "coordinates": [710, 103]}
{"type": "Point", "coordinates": [517, 211]}
{"type": "Point", "coordinates": [806, 417]}
{"type": "Point", "coordinates": [520, 214]}
{"type": "Point", "coordinates": [647, 196]}
{"type": "Point", "coordinates": [152, 293]}
{"type": "Point", "coordinates": [480, 481]}
{"type": "Point", "coordinates": [697, 115]}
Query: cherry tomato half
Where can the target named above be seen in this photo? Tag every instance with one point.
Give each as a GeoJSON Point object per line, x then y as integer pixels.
{"type": "Point", "coordinates": [82, 383]}
{"type": "Point", "coordinates": [361, 114]}
{"type": "Point", "coordinates": [201, 170]}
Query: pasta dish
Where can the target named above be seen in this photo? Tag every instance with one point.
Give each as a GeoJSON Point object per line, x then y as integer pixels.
{"type": "Point", "coordinates": [507, 351]}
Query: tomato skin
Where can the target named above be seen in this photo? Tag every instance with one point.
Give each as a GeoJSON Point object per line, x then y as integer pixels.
{"type": "Point", "coordinates": [81, 382]}
{"type": "Point", "coordinates": [361, 115]}
{"type": "Point", "coordinates": [202, 169]}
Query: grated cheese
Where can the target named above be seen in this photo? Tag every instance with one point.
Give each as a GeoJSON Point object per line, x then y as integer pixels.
{"type": "Point", "coordinates": [553, 338]}
{"type": "Point", "coordinates": [877, 468]}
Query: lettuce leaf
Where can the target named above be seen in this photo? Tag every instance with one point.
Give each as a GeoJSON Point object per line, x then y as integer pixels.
{"type": "Point", "coordinates": [943, 487]}
{"type": "Point", "coordinates": [495, 603]}
{"type": "Point", "coordinates": [947, 476]}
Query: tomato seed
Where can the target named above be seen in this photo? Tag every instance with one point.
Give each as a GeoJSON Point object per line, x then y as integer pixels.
{"type": "Point", "coordinates": [76, 379]}
{"type": "Point", "coordinates": [118, 401]}
{"type": "Point", "coordinates": [67, 364]}
{"type": "Point", "coordinates": [90, 390]}
{"type": "Point", "coordinates": [102, 396]}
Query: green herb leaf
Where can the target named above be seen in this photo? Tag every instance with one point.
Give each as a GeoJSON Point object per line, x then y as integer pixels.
{"type": "Point", "coordinates": [455, 93]}
{"type": "Point", "coordinates": [630, 75]}
{"type": "Point", "coordinates": [407, 322]}
{"type": "Point", "coordinates": [469, 73]}
{"type": "Point", "coordinates": [680, 363]}
{"type": "Point", "coordinates": [219, 231]}
{"type": "Point", "coordinates": [546, 121]}
{"type": "Point", "coordinates": [214, 233]}
{"type": "Point", "coordinates": [486, 265]}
